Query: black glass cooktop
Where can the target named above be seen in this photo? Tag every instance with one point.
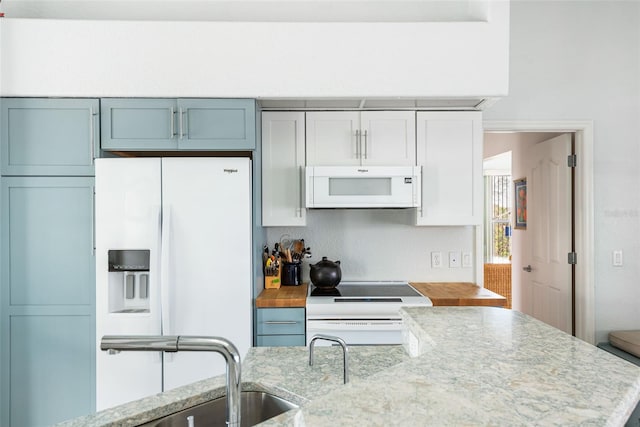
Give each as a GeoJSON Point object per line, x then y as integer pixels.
{"type": "Point", "coordinates": [365, 291]}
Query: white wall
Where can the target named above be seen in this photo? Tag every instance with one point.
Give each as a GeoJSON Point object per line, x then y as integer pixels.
{"type": "Point", "coordinates": [380, 244]}
{"type": "Point", "coordinates": [581, 61]}
{"type": "Point", "coordinates": [255, 59]}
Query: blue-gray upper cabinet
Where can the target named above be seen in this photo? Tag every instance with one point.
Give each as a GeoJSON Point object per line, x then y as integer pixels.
{"type": "Point", "coordinates": [131, 124]}
{"type": "Point", "coordinates": [48, 136]}
{"type": "Point", "coordinates": [138, 124]}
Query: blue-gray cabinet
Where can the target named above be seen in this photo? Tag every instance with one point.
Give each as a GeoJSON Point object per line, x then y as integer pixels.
{"type": "Point", "coordinates": [47, 299]}
{"type": "Point", "coordinates": [48, 136]}
{"type": "Point", "coordinates": [47, 262]}
{"type": "Point", "coordinates": [135, 124]}
{"type": "Point", "coordinates": [280, 327]}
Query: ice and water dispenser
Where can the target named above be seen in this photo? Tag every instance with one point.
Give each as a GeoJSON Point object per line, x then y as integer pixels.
{"type": "Point", "coordinates": [129, 281]}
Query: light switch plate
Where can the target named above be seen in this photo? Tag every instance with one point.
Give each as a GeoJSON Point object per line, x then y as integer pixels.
{"type": "Point", "coordinates": [467, 261]}
{"type": "Point", "coordinates": [454, 259]}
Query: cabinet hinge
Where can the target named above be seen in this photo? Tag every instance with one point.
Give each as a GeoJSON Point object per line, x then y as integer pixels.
{"type": "Point", "coordinates": [573, 258]}
{"type": "Point", "coordinates": [572, 160]}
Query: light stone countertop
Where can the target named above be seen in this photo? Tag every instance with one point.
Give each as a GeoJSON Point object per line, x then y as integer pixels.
{"type": "Point", "coordinates": [476, 366]}
{"type": "Point", "coordinates": [283, 371]}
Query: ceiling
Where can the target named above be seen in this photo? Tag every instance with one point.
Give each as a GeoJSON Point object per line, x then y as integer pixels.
{"type": "Point", "coordinates": [252, 10]}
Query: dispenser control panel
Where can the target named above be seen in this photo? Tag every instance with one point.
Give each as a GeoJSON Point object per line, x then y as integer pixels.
{"type": "Point", "coordinates": [129, 280]}
{"type": "Point", "coordinates": [129, 260]}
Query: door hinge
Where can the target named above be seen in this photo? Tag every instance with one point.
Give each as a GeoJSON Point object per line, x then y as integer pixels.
{"type": "Point", "coordinates": [573, 258]}
{"type": "Point", "coordinates": [572, 160]}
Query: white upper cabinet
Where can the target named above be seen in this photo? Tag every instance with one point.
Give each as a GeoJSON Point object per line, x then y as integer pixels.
{"type": "Point", "coordinates": [383, 138]}
{"type": "Point", "coordinates": [332, 138]}
{"type": "Point", "coordinates": [283, 157]}
{"type": "Point", "coordinates": [449, 149]}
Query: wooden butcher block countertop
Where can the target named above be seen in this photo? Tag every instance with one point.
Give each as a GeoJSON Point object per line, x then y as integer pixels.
{"type": "Point", "coordinates": [442, 294]}
{"type": "Point", "coordinates": [285, 296]}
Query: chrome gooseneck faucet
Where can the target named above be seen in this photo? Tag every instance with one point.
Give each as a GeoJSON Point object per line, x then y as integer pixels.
{"type": "Point", "coordinates": [340, 341]}
{"type": "Point", "coordinates": [117, 343]}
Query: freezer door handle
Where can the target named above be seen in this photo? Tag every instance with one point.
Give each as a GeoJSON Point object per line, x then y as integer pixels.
{"type": "Point", "coordinates": [165, 275]}
{"type": "Point", "coordinates": [165, 271]}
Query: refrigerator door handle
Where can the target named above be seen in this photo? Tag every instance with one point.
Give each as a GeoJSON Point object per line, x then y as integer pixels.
{"type": "Point", "coordinates": [165, 274]}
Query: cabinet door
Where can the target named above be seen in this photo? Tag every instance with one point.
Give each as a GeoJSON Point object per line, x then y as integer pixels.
{"type": "Point", "coordinates": [43, 136]}
{"type": "Point", "coordinates": [139, 124]}
{"type": "Point", "coordinates": [283, 157]}
{"type": "Point", "coordinates": [47, 294]}
{"type": "Point", "coordinates": [388, 138]}
{"type": "Point", "coordinates": [449, 152]}
{"type": "Point", "coordinates": [332, 139]}
{"type": "Point", "coordinates": [217, 124]}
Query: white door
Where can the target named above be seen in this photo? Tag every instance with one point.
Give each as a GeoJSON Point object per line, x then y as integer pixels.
{"type": "Point", "coordinates": [546, 288]}
{"type": "Point", "coordinates": [333, 138]}
{"type": "Point", "coordinates": [388, 138]}
{"type": "Point", "coordinates": [127, 217]}
{"type": "Point", "coordinates": [206, 282]}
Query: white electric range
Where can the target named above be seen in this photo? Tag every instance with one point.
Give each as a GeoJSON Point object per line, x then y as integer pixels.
{"type": "Point", "coordinates": [361, 313]}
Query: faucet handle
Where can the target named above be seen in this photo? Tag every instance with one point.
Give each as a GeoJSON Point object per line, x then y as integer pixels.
{"type": "Point", "coordinates": [343, 344]}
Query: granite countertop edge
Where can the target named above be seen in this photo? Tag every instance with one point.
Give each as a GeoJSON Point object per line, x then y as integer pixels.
{"type": "Point", "coordinates": [522, 355]}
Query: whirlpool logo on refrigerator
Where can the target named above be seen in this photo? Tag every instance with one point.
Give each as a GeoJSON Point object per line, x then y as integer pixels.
{"type": "Point", "coordinates": [230, 170]}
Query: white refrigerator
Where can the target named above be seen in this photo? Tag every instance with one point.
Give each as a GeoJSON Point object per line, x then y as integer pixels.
{"type": "Point", "coordinates": [173, 257]}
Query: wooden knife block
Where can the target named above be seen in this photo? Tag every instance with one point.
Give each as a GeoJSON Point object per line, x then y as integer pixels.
{"type": "Point", "coordinates": [273, 282]}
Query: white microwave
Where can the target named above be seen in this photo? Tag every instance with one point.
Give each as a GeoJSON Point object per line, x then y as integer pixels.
{"type": "Point", "coordinates": [363, 186]}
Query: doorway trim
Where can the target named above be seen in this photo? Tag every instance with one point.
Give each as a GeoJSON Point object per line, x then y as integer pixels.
{"type": "Point", "coordinates": [584, 228]}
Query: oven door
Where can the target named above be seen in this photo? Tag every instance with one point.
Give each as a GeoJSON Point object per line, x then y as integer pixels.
{"type": "Point", "coordinates": [357, 331]}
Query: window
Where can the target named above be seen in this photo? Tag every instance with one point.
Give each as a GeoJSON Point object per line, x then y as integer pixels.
{"type": "Point", "coordinates": [497, 234]}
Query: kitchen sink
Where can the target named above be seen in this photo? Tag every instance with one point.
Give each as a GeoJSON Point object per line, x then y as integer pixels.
{"type": "Point", "coordinates": [257, 406]}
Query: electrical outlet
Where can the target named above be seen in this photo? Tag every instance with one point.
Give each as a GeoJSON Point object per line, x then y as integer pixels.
{"type": "Point", "coordinates": [467, 262]}
{"type": "Point", "coordinates": [454, 259]}
{"type": "Point", "coordinates": [617, 258]}
{"type": "Point", "coordinates": [436, 259]}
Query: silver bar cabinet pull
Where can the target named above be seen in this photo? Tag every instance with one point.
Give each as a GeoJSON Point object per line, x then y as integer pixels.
{"type": "Point", "coordinates": [365, 144]}
{"type": "Point", "coordinates": [173, 125]}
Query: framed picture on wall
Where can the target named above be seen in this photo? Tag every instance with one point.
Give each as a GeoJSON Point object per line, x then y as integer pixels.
{"type": "Point", "coordinates": [520, 197]}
